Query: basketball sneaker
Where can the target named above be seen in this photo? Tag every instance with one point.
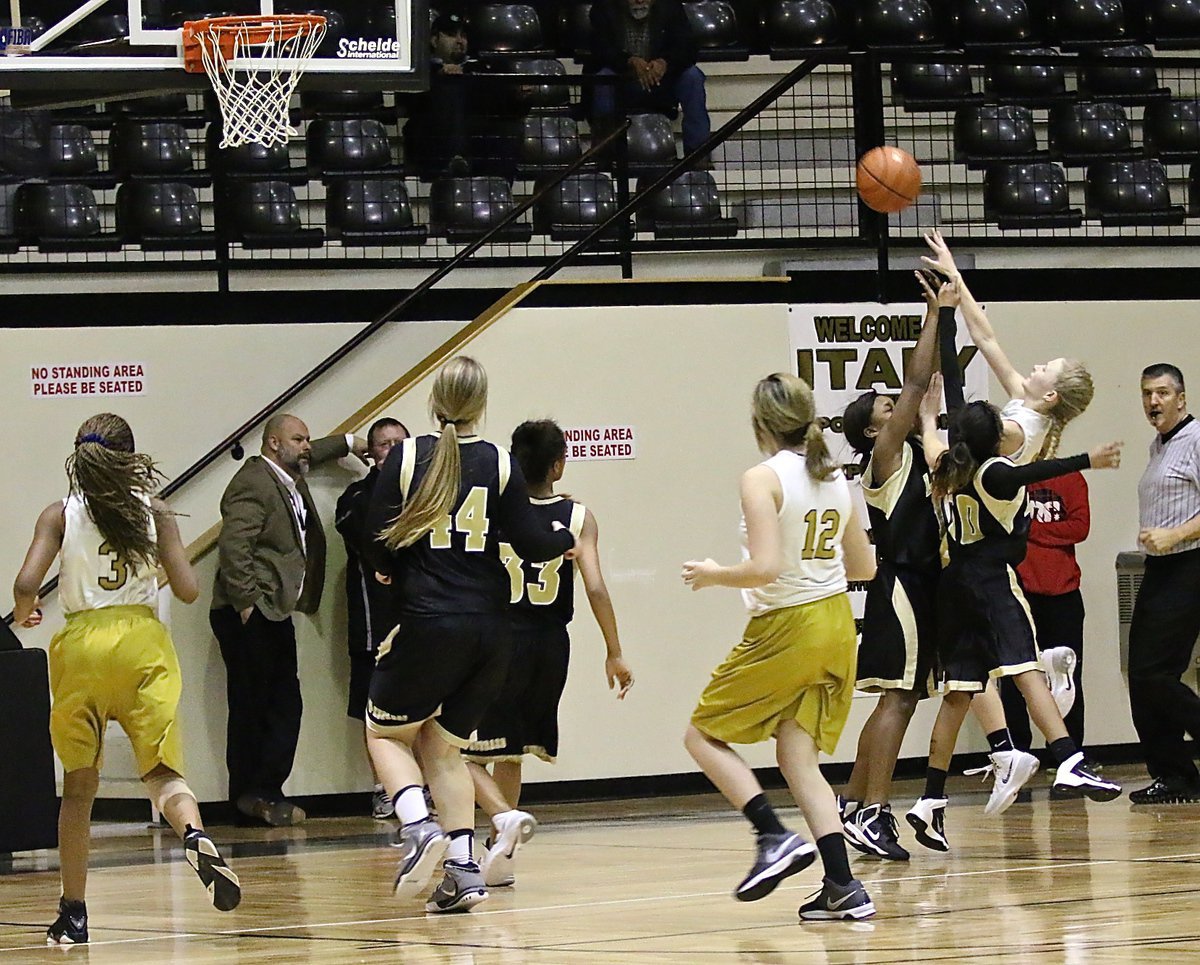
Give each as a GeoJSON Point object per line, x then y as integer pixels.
{"type": "Point", "coordinates": [1011, 771]}
{"type": "Point", "coordinates": [779, 856]}
{"type": "Point", "coordinates": [874, 831]}
{"type": "Point", "coordinates": [382, 807]}
{"type": "Point", "coordinates": [1059, 664]}
{"type": "Point", "coordinates": [1166, 791]}
{"type": "Point", "coordinates": [223, 887]}
{"type": "Point", "coordinates": [512, 829]}
{"type": "Point", "coordinates": [422, 846]}
{"type": "Point", "coordinates": [848, 810]}
{"type": "Point", "coordinates": [846, 807]}
{"type": "Point", "coordinates": [927, 818]}
{"type": "Point", "coordinates": [834, 902]}
{"type": "Point", "coordinates": [461, 888]}
{"type": "Point", "coordinates": [70, 927]}
{"type": "Point", "coordinates": [1076, 777]}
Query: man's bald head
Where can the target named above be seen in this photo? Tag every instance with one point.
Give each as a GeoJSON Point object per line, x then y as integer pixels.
{"type": "Point", "coordinates": [285, 442]}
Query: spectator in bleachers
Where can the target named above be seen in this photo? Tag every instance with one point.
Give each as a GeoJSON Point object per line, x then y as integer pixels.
{"type": "Point", "coordinates": [436, 135]}
{"type": "Point", "coordinates": [649, 45]}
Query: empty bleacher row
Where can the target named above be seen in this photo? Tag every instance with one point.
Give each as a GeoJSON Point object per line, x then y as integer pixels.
{"type": "Point", "coordinates": [170, 189]}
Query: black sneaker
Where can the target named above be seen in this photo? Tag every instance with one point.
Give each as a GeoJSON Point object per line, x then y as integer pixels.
{"type": "Point", "coordinates": [1166, 792]}
{"type": "Point", "coordinates": [1075, 777]}
{"type": "Point", "coordinates": [779, 856]}
{"type": "Point", "coordinates": [223, 887]}
{"type": "Point", "coordinates": [834, 902]}
{"type": "Point", "coordinates": [873, 831]}
{"type": "Point", "coordinates": [70, 927]}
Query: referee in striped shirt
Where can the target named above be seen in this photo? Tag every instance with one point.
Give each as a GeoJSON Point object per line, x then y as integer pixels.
{"type": "Point", "coordinates": [1166, 617]}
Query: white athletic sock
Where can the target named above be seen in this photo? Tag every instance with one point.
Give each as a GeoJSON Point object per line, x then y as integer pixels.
{"type": "Point", "coordinates": [461, 846]}
{"type": "Point", "coordinates": [410, 805]}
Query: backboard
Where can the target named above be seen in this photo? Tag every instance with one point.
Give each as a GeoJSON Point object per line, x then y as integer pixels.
{"type": "Point", "coordinates": [119, 48]}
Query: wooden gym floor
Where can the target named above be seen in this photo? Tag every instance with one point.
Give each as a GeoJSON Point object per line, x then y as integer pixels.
{"type": "Point", "coordinates": [648, 882]}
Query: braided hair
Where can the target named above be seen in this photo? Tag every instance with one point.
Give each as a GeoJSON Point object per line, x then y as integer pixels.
{"type": "Point", "coordinates": [114, 481]}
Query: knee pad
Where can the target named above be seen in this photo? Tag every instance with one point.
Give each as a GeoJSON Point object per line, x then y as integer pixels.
{"type": "Point", "coordinates": [161, 789]}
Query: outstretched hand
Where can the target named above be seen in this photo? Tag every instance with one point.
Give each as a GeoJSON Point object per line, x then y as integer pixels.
{"type": "Point", "coordinates": [931, 401]}
{"type": "Point", "coordinates": [943, 262]}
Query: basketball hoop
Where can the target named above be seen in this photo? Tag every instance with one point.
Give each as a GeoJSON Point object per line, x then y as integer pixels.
{"type": "Point", "coordinates": [254, 64]}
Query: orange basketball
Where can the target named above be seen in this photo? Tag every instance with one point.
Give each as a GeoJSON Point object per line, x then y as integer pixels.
{"type": "Point", "coordinates": [889, 179]}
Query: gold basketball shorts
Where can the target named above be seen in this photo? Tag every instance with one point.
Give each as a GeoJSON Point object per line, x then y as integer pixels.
{"type": "Point", "coordinates": [798, 663]}
{"type": "Point", "coordinates": [115, 663]}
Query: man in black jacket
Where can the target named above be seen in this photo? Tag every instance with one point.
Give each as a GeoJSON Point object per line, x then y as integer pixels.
{"type": "Point", "coordinates": [648, 44]}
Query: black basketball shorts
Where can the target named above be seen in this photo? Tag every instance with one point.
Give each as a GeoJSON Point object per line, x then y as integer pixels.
{"type": "Point", "coordinates": [524, 717]}
{"type": "Point", "coordinates": [984, 625]}
{"type": "Point", "coordinates": [451, 667]}
{"type": "Point", "coordinates": [898, 650]}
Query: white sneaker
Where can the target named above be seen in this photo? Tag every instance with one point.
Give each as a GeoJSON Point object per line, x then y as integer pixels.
{"type": "Point", "coordinates": [928, 819]}
{"type": "Point", "coordinates": [1011, 770]}
{"type": "Point", "coordinates": [1076, 778]}
{"type": "Point", "coordinates": [512, 829]}
{"type": "Point", "coordinates": [1059, 664]}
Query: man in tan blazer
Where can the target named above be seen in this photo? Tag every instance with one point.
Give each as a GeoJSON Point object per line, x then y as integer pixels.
{"type": "Point", "coordinates": [271, 563]}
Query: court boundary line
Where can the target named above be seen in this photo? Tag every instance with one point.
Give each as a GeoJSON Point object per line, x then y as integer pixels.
{"type": "Point", "coordinates": [265, 930]}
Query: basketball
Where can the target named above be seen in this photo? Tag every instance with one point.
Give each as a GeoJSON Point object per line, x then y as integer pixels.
{"type": "Point", "coordinates": [889, 179]}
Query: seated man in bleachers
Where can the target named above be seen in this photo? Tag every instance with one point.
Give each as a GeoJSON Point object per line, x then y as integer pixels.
{"type": "Point", "coordinates": [460, 127]}
{"type": "Point", "coordinates": [648, 44]}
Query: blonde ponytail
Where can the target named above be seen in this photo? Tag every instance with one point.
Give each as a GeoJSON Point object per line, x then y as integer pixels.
{"type": "Point", "coordinates": [817, 458]}
{"type": "Point", "coordinates": [1075, 390]}
{"type": "Point", "coordinates": [458, 397]}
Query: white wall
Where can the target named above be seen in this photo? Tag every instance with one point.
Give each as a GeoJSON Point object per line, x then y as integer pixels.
{"type": "Point", "coordinates": [681, 375]}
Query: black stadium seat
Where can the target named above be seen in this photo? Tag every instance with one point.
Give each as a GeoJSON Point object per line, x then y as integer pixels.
{"type": "Point", "coordinates": [1082, 133]}
{"type": "Point", "coordinates": [715, 30]}
{"type": "Point", "coordinates": [1131, 193]}
{"type": "Point", "coordinates": [154, 149]}
{"type": "Point", "coordinates": [575, 29]}
{"type": "Point", "coordinates": [995, 23]}
{"type": "Point", "coordinates": [1080, 23]}
{"type": "Point", "coordinates": [548, 143]}
{"type": "Point", "coordinates": [161, 216]}
{"type": "Point", "coordinates": [71, 155]}
{"type": "Point", "coordinates": [348, 146]}
{"type": "Point", "coordinates": [918, 86]}
{"type": "Point", "coordinates": [61, 218]}
{"type": "Point", "coordinates": [252, 161]}
{"type": "Point", "coordinates": [548, 97]}
{"type": "Point", "coordinates": [794, 28]}
{"type": "Point", "coordinates": [508, 29]}
{"type": "Point", "coordinates": [1029, 196]}
{"type": "Point", "coordinates": [688, 207]}
{"type": "Point", "coordinates": [374, 211]}
{"type": "Point", "coordinates": [1171, 131]}
{"type": "Point", "coordinates": [992, 133]}
{"type": "Point", "coordinates": [897, 23]}
{"type": "Point", "coordinates": [651, 143]}
{"type": "Point", "coordinates": [575, 205]}
{"type": "Point", "coordinates": [465, 208]}
{"type": "Point", "coordinates": [266, 214]}
{"type": "Point", "coordinates": [1033, 83]}
{"type": "Point", "coordinates": [1124, 74]}
{"type": "Point", "coordinates": [1173, 24]}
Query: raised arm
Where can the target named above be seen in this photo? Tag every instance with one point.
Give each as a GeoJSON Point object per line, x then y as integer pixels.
{"type": "Point", "coordinates": [172, 556]}
{"type": "Point", "coordinates": [980, 329]}
{"type": "Point", "coordinates": [889, 444]}
{"type": "Point", "coordinates": [931, 406]}
{"type": "Point", "coordinates": [47, 541]}
{"type": "Point", "coordinates": [616, 671]}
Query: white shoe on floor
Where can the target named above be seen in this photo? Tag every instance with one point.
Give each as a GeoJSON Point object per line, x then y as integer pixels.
{"type": "Point", "coordinates": [511, 830]}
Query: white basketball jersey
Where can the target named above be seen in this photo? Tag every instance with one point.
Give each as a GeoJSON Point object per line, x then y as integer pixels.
{"type": "Point", "coordinates": [91, 575]}
{"type": "Point", "coordinates": [812, 520]}
{"type": "Point", "coordinates": [1032, 423]}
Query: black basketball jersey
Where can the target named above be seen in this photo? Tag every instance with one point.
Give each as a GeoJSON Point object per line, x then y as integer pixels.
{"type": "Point", "coordinates": [982, 526]}
{"type": "Point", "coordinates": [903, 519]}
{"type": "Point", "coordinates": [455, 568]}
{"type": "Point", "coordinates": [545, 591]}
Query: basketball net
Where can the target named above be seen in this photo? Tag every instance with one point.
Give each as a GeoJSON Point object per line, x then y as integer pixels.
{"type": "Point", "coordinates": [254, 64]}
